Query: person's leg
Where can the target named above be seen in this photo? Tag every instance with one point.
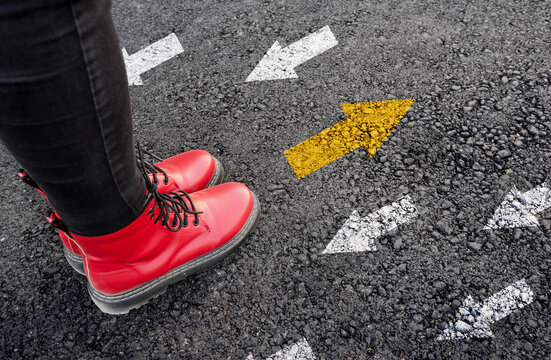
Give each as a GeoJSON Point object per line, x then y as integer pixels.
{"type": "Point", "coordinates": [64, 115]}
{"type": "Point", "coordinates": [65, 112]}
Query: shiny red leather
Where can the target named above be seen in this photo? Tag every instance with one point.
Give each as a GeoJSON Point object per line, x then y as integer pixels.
{"type": "Point", "coordinates": [189, 171]}
{"type": "Point", "coordinates": [145, 250]}
{"type": "Point", "coordinates": [67, 243]}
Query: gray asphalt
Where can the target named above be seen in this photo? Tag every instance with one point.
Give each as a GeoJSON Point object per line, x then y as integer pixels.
{"type": "Point", "coordinates": [481, 74]}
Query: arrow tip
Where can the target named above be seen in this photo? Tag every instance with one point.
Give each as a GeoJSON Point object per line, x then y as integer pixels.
{"type": "Point", "coordinates": [516, 210]}
{"type": "Point", "coordinates": [349, 238]}
{"type": "Point", "coordinates": [133, 78]}
{"type": "Point", "coordinates": [490, 225]}
{"type": "Point", "coordinates": [464, 330]}
{"type": "Point", "coordinates": [272, 67]}
{"type": "Point", "coordinates": [378, 118]}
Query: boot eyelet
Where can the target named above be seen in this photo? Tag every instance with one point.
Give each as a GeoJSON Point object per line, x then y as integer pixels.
{"type": "Point", "coordinates": [165, 181]}
{"type": "Point", "coordinates": [196, 222]}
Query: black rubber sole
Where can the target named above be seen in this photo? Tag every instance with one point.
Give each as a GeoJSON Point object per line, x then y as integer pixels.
{"type": "Point", "coordinates": [122, 303]}
{"type": "Point", "coordinates": [76, 261]}
{"type": "Point", "coordinates": [218, 175]}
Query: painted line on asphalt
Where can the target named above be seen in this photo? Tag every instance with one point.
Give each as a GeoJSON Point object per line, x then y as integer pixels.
{"type": "Point", "coordinates": [519, 210]}
{"type": "Point", "coordinates": [150, 57]}
{"type": "Point", "coordinates": [298, 351]}
{"type": "Point", "coordinates": [280, 63]}
{"type": "Point", "coordinates": [475, 319]}
{"type": "Point", "coordinates": [359, 234]}
{"type": "Point", "coordinates": [367, 124]}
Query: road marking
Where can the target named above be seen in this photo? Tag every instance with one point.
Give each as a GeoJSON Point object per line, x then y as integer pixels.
{"type": "Point", "coordinates": [474, 319]}
{"type": "Point", "coordinates": [519, 210]}
{"type": "Point", "coordinates": [359, 234]}
{"type": "Point", "coordinates": [150, 57]}
{"type": "Point", "coordinates": [279, 63]}
{"type": "Point", "coordinates": [367, 124]}
{"type": "Point", "coordinates": [299, 351]}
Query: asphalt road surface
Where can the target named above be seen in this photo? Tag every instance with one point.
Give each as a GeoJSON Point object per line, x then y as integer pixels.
{"type": "Point", "coordinates": [476, 140]}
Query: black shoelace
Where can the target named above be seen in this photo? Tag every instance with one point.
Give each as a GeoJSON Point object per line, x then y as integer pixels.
{"type": "Point", "coordinates": [151, 168]}
{"type": "Point", "coordinates": [173, 202]}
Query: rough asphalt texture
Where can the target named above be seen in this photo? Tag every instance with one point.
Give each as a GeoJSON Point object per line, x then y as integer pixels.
{"type": "Point", "coordinates": [481, 124]}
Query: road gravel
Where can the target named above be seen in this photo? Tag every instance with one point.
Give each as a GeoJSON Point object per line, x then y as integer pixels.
{"type": "Point", "coordinates": [481, 74]}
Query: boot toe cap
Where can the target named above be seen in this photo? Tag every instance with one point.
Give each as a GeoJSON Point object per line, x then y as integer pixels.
{"type": "Point", "coordinates": [191, 170]}
{"type": "Point", "coordinates": [229, 207]}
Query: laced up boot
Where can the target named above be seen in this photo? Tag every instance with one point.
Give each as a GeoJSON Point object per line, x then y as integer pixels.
{"type": "Point", "coordinates": [176, 235]}
{"type": "Point", "coordinates": [189, 171]}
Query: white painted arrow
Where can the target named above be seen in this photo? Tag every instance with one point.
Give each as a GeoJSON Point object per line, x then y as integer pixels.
{"type": "Point", "coordinates": [474, 319]}
{"type": "Point", "coordinates": [150, 57]}
{"type": "Point", "coordinates": [299, 351]}
{"type": "Point", "coordinates": [279, 63]}
{"type": "Point", "coordinates": [519, 210]}
{"type": "Point", "coordinates": [359, 234]}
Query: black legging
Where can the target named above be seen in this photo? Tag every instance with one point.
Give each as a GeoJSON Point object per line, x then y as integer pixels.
{"type": "Point", "coordinates": [65, 110]}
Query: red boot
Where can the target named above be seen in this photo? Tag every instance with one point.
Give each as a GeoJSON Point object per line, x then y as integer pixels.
{"type": "Point", "coordinates": [189, 171]}
{"type": "Point", "coordinates": [176, 235]}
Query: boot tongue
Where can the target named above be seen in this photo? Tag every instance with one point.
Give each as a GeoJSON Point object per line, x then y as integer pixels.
{"type": "Point", "coordinates": [170, 209]}
{"type": "Point", "coordinates": [174, 210]}
{"type": "Point", "coordinates": [165, 188]}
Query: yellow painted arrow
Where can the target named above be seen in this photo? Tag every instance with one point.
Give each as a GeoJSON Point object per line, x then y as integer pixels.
{"type": "Point", "coordinates": [367, 124]}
